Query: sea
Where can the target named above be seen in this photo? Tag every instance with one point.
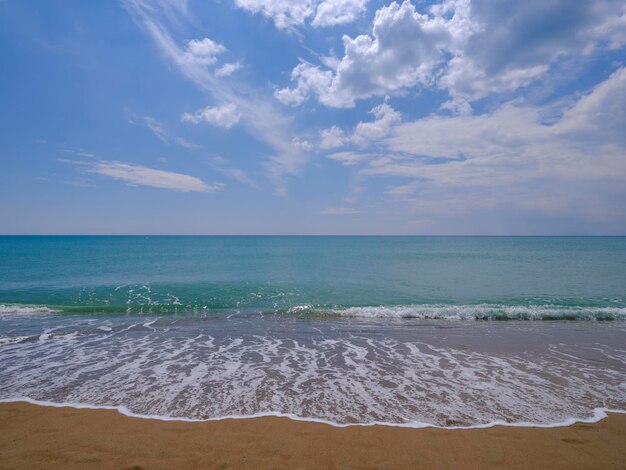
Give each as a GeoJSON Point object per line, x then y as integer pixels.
{"type": "Point", "coordinates": [403, 331]}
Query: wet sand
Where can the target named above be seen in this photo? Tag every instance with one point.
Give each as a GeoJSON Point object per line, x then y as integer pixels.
{"type": "Point", "coordinates": [43, 437]}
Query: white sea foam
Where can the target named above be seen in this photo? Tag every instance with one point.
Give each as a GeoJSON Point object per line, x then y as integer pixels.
{"type": "Point", "coordinates": [597, 414]}
{"type": "Point", "coordinates": [479, 311]}
{"type": "Point", "coordinates": [13, 340]}
{"type": "Point", "coordinates": [10, 309]}
{"type": "Point", "coordinates": [340, 377]}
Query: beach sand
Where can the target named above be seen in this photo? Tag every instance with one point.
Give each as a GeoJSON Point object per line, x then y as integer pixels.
{"type": "Point", "coordinates": [44, 437]}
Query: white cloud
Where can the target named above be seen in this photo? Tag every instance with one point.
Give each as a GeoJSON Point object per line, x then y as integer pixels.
{"type": "Point", "coordinates": [156, 128]}
{"type": "Point", "coordinates": [471, 49]}
{"type": "Point", "coordinates": [385, 117]}
{"type": "Point", "coordinates": [611, 32]}
{"type": "Point", "coordinates": [309, 79]}
{"type": "Point", "coordinates": [516, 44]}
{"type": "Point", "coordinates": [348, 158]}
{"type": "Point", "coordinates": [403, 50]}
{"type": "Point", "coordinates": [149, 122]}
{"type": "Point", "coordinates": [287, 14]}
{"type": "Point", "coordinates": [227, 70]}
{"type": "Point", "coordinates": [185, 143]}
{"type": "Point", "coordinates": [332, 137]}
{"type": "Point", "coordinates": [258, 113]}
{"type": "Point", "coordinates": [599, 118]}
{"type": "Point", "coordinates": [364, 132]}
{"type": "Point", "coordinates": [340, 211]}
{"type": "Point", "coordinates": [510, 158]}
{"type": "Point", "coordinates": [284, 13]}
{"type": "Point", "coordinates": [334, 12]}
{"type": "Point", "coordinates": [159, 130]}
{"type": "Point", "coordinates": [225, 116]}
{"type": "Point", "coordinates": [302, 144]}
{"type": "Point", "coordinates": [560, 163]}
{"type": "Point", "coordinates": [204, 51]}
{"type": "Point", "coordinates": [80, 152]}
{"type": "Point", "coordinates": [587, 140]}
{"type": "Point", "coordinates": [138, 175]}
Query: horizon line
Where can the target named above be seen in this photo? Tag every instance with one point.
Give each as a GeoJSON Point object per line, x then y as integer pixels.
{"type": "Point", "coordinates": [294, 235]}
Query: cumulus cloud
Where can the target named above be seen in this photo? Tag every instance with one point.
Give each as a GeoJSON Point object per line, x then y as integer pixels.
{"type": "Point", "coordinates": [403, 50]}
{"type": "Point", "coordinates": [309, 79]}
{"type": "Point", "coordinates": [385, 117]}
{"type": "Point", "coordinates": [516, 43]}
{"type": "Point", "coordinates": [138, 175]}
{"type": "Point", "coordinates": [471, 49]}
{"type": "Point", "coordinates": [332, 137]}
{"type": "Point", "coordinates": [364, 132]}
{"type": "Point", "coordinates": [204, 51]}
{"type": "Point", "coordinates": [284, 13]}
{"type": "Point", "coordinates": [225, 116]}
{"type": "Point", "coordinates": [334, 12]}
{"type": "Point", "coordinates": [287, 14]}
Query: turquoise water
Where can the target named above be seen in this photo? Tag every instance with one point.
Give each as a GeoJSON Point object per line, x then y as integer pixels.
{"type": "Point", "coordinates": [152, 274]}
{"type": "Point", "coordinates": [348, 330]}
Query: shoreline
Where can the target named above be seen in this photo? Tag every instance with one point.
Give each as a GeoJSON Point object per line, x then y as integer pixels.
{"type": "Point", "coordinates": [599, 414]}
{"type": "Point", "coordinates": [34, 436]}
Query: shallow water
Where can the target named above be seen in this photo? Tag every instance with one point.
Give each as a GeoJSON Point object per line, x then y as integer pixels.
{"type": "Point", "coordinates": [347, 330]}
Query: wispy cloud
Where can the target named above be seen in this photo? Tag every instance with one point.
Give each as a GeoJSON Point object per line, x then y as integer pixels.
{"type": "Point", "coordinates": [156, 127]}
{"type": "Point", "coordinates": [340, 211]}
{"type": "Point", "coordinates": [513, 144]}
{"type": "Point", "coordinates": [258, 113]}
{"type": "Point", "coordinates": [564, 158]}
{"type": "Point", "coordinates": [79, 152]}
{"type": "Point", "coordinates": [159, 130]}
{"type": "Point", "coordinates": [348, 157]}
{"type": "Point", "coordinates": [223, 166]}
{"type": "Point", "coordinates": [186, 144]}
{"type": "Point", "coordinates": [139, 175]}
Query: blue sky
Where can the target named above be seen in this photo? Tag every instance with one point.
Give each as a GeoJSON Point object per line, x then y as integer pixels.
{"type": "Point", "coordinates": [313, 117]}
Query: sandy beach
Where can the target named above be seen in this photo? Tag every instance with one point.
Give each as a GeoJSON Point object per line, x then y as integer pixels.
{"type": "Point", "coordinates": [43, 437]}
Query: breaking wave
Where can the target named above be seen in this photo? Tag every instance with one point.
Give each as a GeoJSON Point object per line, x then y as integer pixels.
{"type": "Point", "coordinates": [466, 312]}
{"type": "Point", "coordinates": [26, 310]}
{"type": "Point", "coordinates": [472, 312]}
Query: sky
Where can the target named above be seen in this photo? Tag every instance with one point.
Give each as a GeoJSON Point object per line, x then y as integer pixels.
{"type": "Point", "coordinates": [459, 117]}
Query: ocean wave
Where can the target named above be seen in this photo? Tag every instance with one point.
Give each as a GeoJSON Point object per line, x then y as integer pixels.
{"type": "Point", "coordinates": [15, 339]}
{"type": "Point", "coordinates": [464, 312]}
{"type": "Point", "coordinates": [472, 312]}
{"type": "Point", "coordinates": [135, 309]}
{"type": "Point", "coordinates": [13, 309]}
